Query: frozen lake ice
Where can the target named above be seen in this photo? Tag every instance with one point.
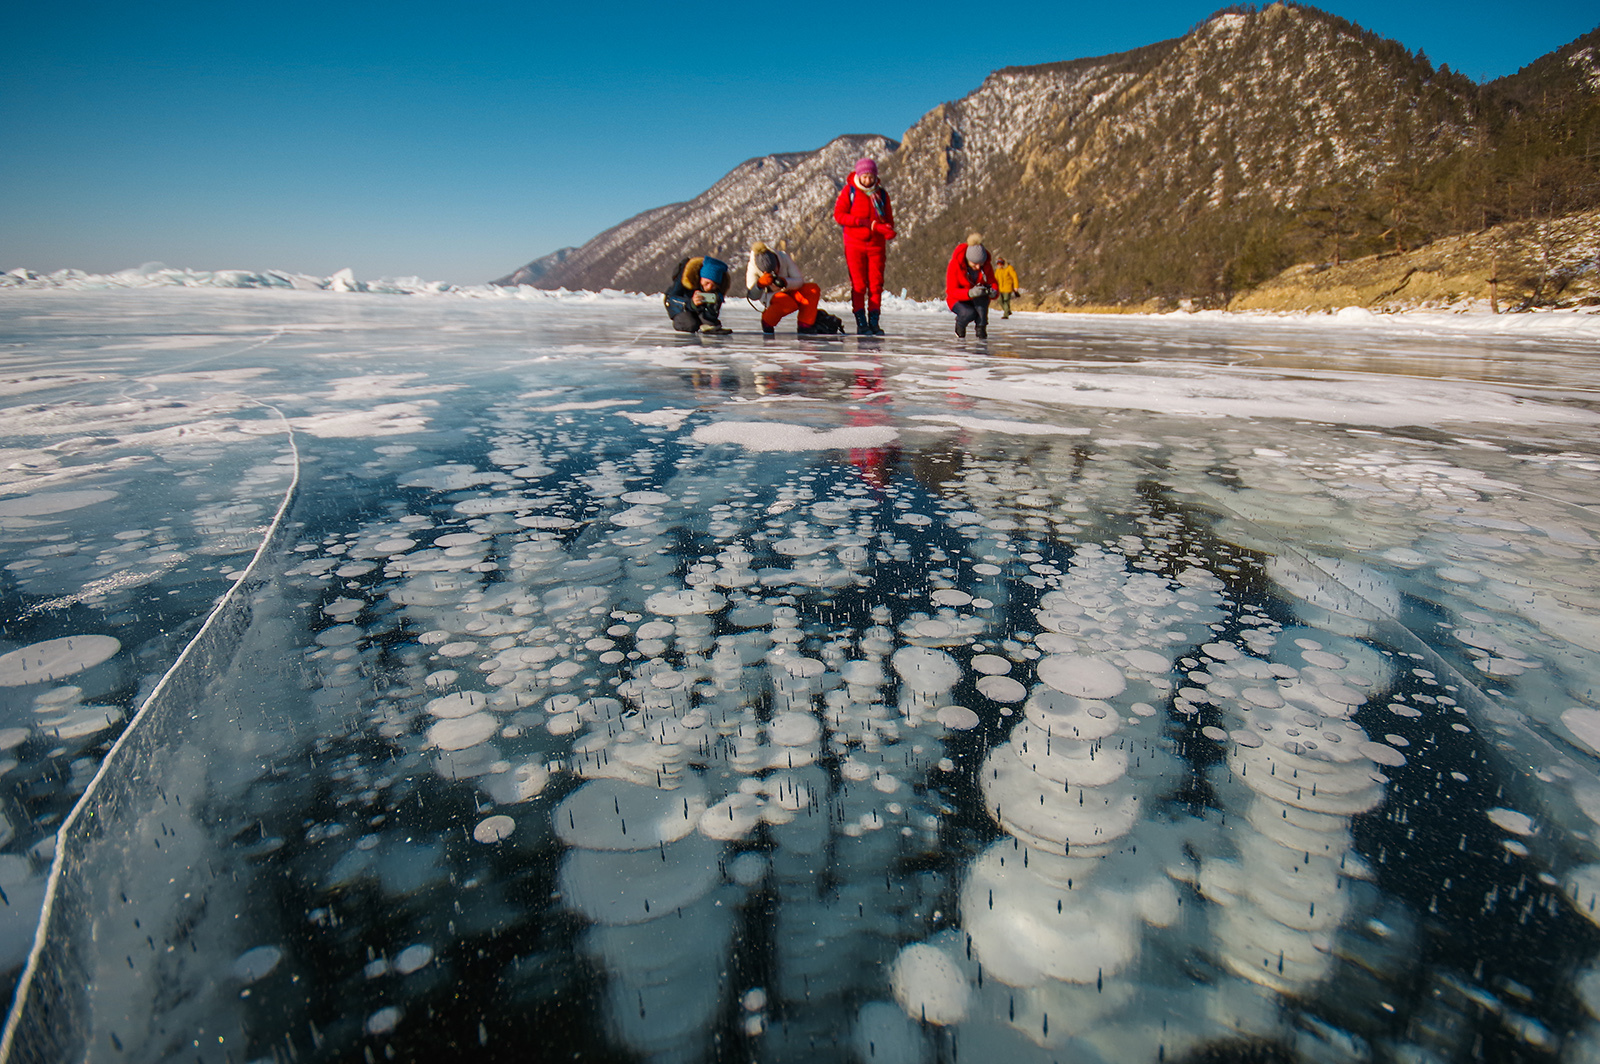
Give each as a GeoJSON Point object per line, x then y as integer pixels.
{"type": "Point", "coordinates": [521, 680]}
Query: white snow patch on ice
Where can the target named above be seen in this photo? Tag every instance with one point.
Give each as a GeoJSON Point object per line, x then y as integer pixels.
{"type": "Point", "coordinates": [671, 420]}
{"type": "Point", "coordinates": [777, 436]}
{"type": "Point", "coordinates": [388, 419]}
{"type": "Point", "coordinates": [382, 385]}
{"type": "Point", "coordinates": [1218, 392]}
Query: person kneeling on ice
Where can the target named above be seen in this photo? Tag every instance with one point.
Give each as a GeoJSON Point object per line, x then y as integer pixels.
{"type": "Point", "coordinates": [969, 284]}
{"type": "Point", "coordinates": [694, 298]}
{"type": "Point", "coordinates": [773, 277]}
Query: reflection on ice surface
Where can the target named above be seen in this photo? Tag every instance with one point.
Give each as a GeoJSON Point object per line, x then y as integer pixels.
{"type": "Point", "coordinates": [1114, 691]}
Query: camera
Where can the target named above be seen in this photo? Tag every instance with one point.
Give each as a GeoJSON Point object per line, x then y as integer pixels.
{"type": "Point", "coordinates": [709, 300]}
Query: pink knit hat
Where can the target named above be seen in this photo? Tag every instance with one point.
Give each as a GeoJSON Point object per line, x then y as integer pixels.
{"type": "Point", "coordinates": [866, 166]}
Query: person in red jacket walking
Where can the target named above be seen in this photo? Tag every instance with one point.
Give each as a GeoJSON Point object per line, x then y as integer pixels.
{"type": "Point", "coordinates": [969, 284]}
{"type": "Point", "coordinates": [863, 209]}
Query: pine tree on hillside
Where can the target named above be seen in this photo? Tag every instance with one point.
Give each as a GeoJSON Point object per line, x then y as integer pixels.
{"type": "Point", "coordinates": [1331, 216]}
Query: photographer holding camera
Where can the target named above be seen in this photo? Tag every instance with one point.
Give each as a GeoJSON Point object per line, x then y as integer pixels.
{"type": "Point", "coordinates": [694, 298]}
{"type": "Point", "coordinates": [773, 277]}
{"type": "Point", "coordinates": [969, 284]}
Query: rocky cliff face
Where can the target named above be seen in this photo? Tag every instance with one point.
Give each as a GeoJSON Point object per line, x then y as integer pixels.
{"type": "Point", "coordinates": [1150, 172]}
{"type": "Point", "coordinates": [1191, 166]}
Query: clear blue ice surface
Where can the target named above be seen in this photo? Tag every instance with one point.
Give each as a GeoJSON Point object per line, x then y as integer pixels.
{"type": "Point", "coordinates": [517, 673]}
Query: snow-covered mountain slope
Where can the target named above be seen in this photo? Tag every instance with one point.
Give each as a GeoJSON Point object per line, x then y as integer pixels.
{"type": "Point", "coordinates": [533, 272]}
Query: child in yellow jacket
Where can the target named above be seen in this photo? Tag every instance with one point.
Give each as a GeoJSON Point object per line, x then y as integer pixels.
{"type": "Point", "coordinates": [1005, 276]}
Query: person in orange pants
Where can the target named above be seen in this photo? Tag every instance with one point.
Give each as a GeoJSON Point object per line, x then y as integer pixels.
{"type": "Point", "coordinates": [783, 290]}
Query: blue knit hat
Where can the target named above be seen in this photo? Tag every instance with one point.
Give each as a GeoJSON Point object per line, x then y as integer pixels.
{"type": "Point", "coordinates": [714, 270]}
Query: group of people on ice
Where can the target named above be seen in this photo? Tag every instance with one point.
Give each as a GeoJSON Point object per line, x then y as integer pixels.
{"type": "Point", "coordinates": [699, 285]}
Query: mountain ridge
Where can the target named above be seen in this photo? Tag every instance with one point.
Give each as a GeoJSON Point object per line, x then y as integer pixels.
{"type": "Point", "coordinates": [1185, 170]}
{"type": "Point", "coordinates": [763, 197]}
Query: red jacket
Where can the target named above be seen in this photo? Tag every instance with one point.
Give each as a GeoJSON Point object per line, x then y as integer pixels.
{"type": "Point", "coordinates": [959, 277]}
{"type": "Point", "coordinates": [867, 217]}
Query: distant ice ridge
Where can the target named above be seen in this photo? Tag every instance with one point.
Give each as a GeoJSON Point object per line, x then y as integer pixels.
{"type": "Point", "coordinates": [1582, 323]}
{"type": "Point", "coordinates": [158, 275]}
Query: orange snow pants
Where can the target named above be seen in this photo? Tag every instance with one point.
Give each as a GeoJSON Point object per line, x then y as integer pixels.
{"type": "Point", "coordinates": [805, 299]}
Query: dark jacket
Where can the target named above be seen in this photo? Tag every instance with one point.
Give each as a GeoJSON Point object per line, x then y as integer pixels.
{"type": "Point", "coordinates": [685, 283]}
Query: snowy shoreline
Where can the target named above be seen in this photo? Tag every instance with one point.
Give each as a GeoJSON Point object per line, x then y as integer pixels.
{"type": "Point", "coordinates": [1583, 323]}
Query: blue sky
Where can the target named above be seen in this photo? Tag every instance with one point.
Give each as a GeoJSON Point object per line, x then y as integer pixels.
{"type": "Point", "coordinates": [455, 142]}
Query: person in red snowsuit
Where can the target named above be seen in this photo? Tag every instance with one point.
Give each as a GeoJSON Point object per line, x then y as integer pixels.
{"type": "Point", "coordinates": [969, 284]}
{"type": "Point", "coordinates": [863, 209]}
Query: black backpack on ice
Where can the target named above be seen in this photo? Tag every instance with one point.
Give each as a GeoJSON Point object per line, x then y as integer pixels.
{"type": "Point", "coordinates": [827, 324]}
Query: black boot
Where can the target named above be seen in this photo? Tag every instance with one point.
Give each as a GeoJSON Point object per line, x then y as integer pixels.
{"type": "Point", "coordinates": [872, 323]}
{"type": "Point", "coordinates": [862, 328]}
